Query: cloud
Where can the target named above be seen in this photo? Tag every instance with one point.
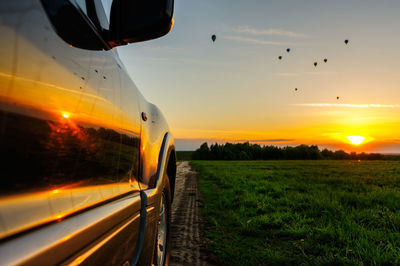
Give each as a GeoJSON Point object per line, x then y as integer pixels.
{"type": "Point", "coordinates": [256, 140]}
{"type": "Point", "coordinates": [159, 58]}
{"type": "Point", "coordinates": [269, 32]}
{"type": "Point", "coordinates": [203, 62]}
{"type": "Point", "coordinates": [271, 140]}
{"type": "Point", "coordinates": [191, 144]}
{"type": "Point", "coordinates": [232, 140]}
{"type": "Point", "coordinates": [162, 48]}
{"type": "Point", "coordinates": [294, 74]}
{"type": "Point", "coordinates": [254, 41]}
{"type": "Point", "coordinates": [321, 73]}
{"type": "Point", "coordinates": [368, 105]}
{"type": "Point", "coordinates": [282, 74]}
{"type": "Point", "coordinates": [187, 60]}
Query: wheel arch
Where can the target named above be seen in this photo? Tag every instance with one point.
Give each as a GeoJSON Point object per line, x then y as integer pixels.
{"type": "Point", "coordinates": [171, 171]}
{"type": "Point", "coordinates": [167, 163]}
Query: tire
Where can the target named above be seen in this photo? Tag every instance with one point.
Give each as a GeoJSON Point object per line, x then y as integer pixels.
{"type": "Point", "coordinates": [163, 225]}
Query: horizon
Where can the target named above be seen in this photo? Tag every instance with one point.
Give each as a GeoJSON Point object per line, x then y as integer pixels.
{"type": "Point", "coordinates": [193, 144]}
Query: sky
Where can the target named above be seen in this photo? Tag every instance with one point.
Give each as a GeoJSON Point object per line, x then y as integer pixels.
{"type": "Point", "coordinates": [236, 89]}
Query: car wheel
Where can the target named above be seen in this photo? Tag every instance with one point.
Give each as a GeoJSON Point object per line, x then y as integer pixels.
{"type": "Point", "coordinates": [163, 228]}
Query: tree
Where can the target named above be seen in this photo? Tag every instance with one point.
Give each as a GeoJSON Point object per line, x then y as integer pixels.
{"type": "Point", "coordinates": [203, 153]}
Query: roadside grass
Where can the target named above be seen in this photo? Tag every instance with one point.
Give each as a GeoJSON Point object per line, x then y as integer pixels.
{"type": "Point", "coordinates": [302, 212]}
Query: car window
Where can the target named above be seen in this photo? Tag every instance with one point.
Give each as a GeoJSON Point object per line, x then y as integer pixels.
{"type": "Point", "coordinates": [107, 8]}
{"type": "Point", "coordinates": [97, 11]}
{"type": "Point", "coordinates": [82, 5]}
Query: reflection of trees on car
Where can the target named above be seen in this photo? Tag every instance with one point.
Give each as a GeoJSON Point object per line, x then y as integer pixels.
{"type": "Point", "coordinates": [42, 153]}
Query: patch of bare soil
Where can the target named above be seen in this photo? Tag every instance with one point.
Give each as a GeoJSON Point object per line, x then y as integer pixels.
{"type": "Point", "coordinates": [187, 245]}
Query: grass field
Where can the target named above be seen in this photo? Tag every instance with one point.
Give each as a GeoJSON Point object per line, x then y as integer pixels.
{"type": "Point", "coordinates": [302, 212]}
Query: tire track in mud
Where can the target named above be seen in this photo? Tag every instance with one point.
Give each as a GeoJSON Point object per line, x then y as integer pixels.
{"type": "Point", "coordinates": [187, 245]}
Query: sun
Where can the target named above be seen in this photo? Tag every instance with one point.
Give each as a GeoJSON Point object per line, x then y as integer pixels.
{"type": "Point", "coordinates": [356, 140]}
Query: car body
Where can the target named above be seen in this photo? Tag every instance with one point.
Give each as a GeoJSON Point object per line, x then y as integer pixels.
{"type": "Point", "coordinates": [87, 164]}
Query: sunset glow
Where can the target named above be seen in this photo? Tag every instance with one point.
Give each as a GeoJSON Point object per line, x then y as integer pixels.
{"type": "Point", "coordinates": [65, 115]}
{"type": "Point", "coordinates": [356, 140]}
{"type": "Point", "coordinates": [264, 100]}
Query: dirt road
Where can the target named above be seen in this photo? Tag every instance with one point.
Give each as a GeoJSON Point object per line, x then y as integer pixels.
{"type": "Point", "coordinates": [187, 245]}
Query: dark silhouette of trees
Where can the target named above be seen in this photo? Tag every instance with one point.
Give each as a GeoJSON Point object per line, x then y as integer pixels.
{"type": "Point", "coordinates": [247, 151]}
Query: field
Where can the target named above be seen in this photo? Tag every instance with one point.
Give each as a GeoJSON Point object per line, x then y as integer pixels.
{"type": "Point", "coordinates": [301, 212]}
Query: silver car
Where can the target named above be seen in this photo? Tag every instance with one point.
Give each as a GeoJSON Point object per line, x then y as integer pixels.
{"type": "Point", "coordinates": [87, 164]}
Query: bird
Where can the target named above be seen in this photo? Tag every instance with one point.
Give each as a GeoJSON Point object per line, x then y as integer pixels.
{"type": "Point", "coordinates": [337, 98]}
{"type": "Point", "coordinates": [288, 50]}
{"type": "Point", "coordinates": [346, 41]}
{"type": "Point", "coordinates": [213, 37]}
{"type": "Point", "coordinates": [315, 64]}
{"type": "Point", "coordinates": [295, 89]}
{"type": "Point", "coordinates": [325, 60]}
{"type": "Point", "coordinates": [280, 57]}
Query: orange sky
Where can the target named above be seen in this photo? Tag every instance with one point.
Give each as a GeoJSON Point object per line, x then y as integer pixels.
{"type": "Point", "coordinates": [236, 89]}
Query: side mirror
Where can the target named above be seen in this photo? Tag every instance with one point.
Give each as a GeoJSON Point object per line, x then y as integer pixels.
{"type": "Point", "coordinates": [139, 20]}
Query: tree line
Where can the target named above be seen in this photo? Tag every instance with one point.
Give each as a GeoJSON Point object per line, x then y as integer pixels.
{"type": "Point", "coordinates": [247, 151]}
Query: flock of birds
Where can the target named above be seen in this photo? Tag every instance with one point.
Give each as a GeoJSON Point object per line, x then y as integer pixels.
{"type": "Point", "coordinates": [214, 38]}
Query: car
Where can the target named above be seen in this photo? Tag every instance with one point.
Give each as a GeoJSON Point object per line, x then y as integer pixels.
{"type": "Point", "coordinates": [87, 163]}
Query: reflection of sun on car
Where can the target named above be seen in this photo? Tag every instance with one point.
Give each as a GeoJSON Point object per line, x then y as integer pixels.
{"type": "Point", "coordinates": [87, 164]}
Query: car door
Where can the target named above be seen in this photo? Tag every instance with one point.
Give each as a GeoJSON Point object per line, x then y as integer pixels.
{"type": "Point", "coordinates": [69, 140]}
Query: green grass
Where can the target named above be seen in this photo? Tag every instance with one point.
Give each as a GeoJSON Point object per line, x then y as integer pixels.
{"type": "Point", "coordinates": [302, 212]}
